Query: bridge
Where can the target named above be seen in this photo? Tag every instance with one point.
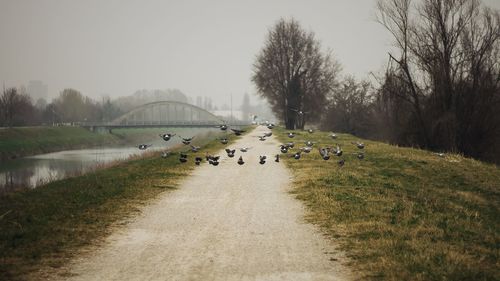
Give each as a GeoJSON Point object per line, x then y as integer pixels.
{"type": "Point", "coordinates": [163, 114]}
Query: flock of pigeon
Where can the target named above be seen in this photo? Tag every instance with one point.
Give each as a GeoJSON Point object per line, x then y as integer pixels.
{"type": "Point", "coordinates": [285, 149]}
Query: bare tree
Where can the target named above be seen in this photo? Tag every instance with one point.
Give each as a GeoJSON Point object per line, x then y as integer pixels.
{"type": "Point", "coordinates": [447, 69]}
{"type": "Point", "coordinates": [293, 75]}
{"type": "Point", "coordinates": [16, 108]}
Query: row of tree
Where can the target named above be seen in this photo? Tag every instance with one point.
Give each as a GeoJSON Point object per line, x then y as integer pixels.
{"type": "Point", "coordinates": [441, 88]}
{"type": "Point", "coordinates": [17, 109]}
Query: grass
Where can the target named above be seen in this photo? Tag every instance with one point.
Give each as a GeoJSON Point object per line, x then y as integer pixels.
{"type": "Point", "coordinates": [403, 213]}
{"type": "Point", "coordinates": [41, 229]}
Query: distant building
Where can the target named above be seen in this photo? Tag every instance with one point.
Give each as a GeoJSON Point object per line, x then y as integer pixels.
{"type": "Point", "coordinates": [37, 90]}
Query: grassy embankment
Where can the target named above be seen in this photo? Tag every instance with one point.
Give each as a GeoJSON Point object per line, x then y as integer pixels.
{"type": "Point", "coordinates": [42, 228]}
{"type": "Point", "coordinates": [18, 142]}
{"type": "Point", "coordinates": [403, 213]}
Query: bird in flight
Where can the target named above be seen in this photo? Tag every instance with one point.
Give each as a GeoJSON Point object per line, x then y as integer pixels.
{"type": "Point", "coordinates": [144, 146]}
{"type": "Point", "coordinates": [167, 136]}
{"type": "Point", "coordinates": [186, 141]}
{"type": "Point", "coordinates": [237, 132]}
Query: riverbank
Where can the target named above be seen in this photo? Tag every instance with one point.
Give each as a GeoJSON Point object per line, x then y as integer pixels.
{"type": "Point", "coordinates": [19, 142]}
{"type": "Point", "coordinates": [44, 227]}
{"type": "Point", "coordinates": [402, 213]}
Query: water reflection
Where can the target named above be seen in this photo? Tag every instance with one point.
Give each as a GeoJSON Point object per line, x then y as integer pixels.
{"type": "Point", "coordinates": [30, 172]}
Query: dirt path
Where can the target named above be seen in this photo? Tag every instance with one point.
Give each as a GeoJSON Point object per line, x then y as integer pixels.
{"type": "Point", "coordinates": [228, 222]}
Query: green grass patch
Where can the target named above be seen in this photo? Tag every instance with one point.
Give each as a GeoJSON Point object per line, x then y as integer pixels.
{"type": "Point", "coordinates": [41, 229]}
{"type": "Point", "coordinates": [403, 213]}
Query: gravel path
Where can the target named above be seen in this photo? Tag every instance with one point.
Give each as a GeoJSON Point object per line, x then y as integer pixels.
{"type": "Point", "coordinates": [228, 222]}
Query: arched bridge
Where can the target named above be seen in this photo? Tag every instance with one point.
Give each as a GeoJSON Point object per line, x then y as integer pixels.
{"type": "Point", "coordinates": [163, 114]}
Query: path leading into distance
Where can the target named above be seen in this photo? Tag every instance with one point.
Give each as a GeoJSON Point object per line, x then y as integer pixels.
{"type": "Point", "coordinates": [228, 222]}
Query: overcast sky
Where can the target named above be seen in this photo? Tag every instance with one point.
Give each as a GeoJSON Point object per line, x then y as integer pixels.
{"type": "Point", "coordinates": [203, 48]}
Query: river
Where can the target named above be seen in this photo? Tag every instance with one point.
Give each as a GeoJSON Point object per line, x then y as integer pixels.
{"type": "Point", "coordinates": [34, 171]}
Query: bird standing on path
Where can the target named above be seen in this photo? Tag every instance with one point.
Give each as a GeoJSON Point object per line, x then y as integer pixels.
{"type": "Point", "coordinates": [341, 162]}
{"type": "Point", "coordinates": [195, 148]}
{"type": "Point", "coordinates": [333, 136]}
{"type": "Point", "coordinates": [240, 161]}
{"type": "Point", "coordinates": [291, 134]}
{"type": "Point", "coordinates": [277, 158]}
{"type": "Point", "coordinates": [224, 140]}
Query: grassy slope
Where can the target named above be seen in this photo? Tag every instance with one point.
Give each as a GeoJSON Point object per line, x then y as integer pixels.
{"type": "Point", "coordinates": [42, 228]}
{"type": "Point", "coordinates": [402, 213]}
{"type": "Point", "coordinates": [17, 142]}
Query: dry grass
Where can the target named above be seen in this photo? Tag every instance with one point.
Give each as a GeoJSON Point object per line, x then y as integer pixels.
{"type": "Point", "coordinates": [402, 213]}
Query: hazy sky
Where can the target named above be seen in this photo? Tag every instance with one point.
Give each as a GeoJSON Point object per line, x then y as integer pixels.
{"type": "Point", "coordinates": [203, 48]}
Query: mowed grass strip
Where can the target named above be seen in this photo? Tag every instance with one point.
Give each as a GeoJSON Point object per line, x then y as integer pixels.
{"type": "Point", "coordinates": [403, 213]}
{"type": "Point", "coordinates": [41, 229]}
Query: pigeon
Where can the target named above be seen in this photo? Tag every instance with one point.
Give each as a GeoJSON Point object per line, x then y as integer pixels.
{"type": "Point", "coordinates": [290, 144]}
{"type": "Point", "coordinates": [230, 153]}
{"type": "Point", "coordinates": [270, 126]}
{"type": "Point", "coordinates": [296, 155]}
{"type": "Point", "coordinates": [360, 145]}
{"type": "Point", "coordinates": [186, 141]}
{"type": "Point", "coordinates": [268, 134]}
{"type": "Point", "coordinates": [341, 162]}
{"type": "Point", "coordinates": [223, 127]}
{"type": "Point", "coordinates": [183, 160]}
{"type": "Point", "coordinates": [144, 146]}
{"type": "Point", "coordinates": [283, 148]}
{"type": "Point", "coordinates": [183, 155]}
{"type": "Point", "coordinates": [333, 136]}
{"type": "Point", "coordinates": [338, 151]}
{"type": "Point", "coordinates": [165, 154]}
{"type": "Point", "coordinates": [224, 140]}
{"type": "Point", "coordinates": [244, 149]}
{"type": "Point", "coordinates": [291, 135]}
{"type": "Point", "coordinates": [198, 160]}
{"type": "Point", "coordinates": [299, 112]}
{"type": "Point", "coordinates": [195, 148]}
{"type": "Point", "coordinates": [262, 138]}
{"type": "Point", "coordinates": [440, 154]}
{"type": "Point", "coordinates": [310, 131]}
{"type": "Point", "coordinates": [324, 153]}
{"type": "Point", "coordinates": [309, 143]}
{"type": "Point", "coordinates": [277, 158]}
{"type": "Point", "coordinates": [306, 149]}
{"type": "Point", "coordinates": [214, 162]}
{"type": "Point", "coordinates": [237, 132]}
{"type": "Point", "coordinates": [167, 136]}
{"type": "Point", "coordinates": [262, 160]}
{"type": "Point", "coordinates": [360, 155]}
{"type": "Point", "coordinates": [240, 161]}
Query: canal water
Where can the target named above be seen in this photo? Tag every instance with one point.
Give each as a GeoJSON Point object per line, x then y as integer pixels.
{"type": "Point", "coordinates": [33, 171]}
